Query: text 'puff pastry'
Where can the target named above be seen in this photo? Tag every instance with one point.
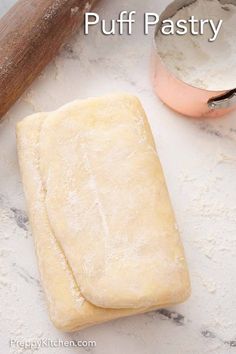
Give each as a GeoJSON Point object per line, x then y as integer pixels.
{"type": "Point", "coordinates": [104, 229]}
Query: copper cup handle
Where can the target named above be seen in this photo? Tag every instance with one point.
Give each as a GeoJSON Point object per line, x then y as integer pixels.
{"type": "Point", "coordinates": [226, 100]}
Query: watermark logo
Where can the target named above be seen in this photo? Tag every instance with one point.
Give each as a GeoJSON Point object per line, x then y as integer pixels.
{"type": "Point", "coordinates": [50, 343]}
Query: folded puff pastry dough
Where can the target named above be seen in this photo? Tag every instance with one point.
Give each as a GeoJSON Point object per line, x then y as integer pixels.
{"type": "Point", "coordinates": [104, 229]}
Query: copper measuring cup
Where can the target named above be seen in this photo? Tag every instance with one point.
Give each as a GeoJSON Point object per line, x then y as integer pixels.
{"type": "Point", "coordinates": [177, 94]}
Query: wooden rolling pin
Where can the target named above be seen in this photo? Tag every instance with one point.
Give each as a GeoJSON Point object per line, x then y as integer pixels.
{"type": "Point", "coordinates": [31, 33]}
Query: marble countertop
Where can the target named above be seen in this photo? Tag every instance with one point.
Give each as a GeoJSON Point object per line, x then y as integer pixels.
{"type": "Point", "coordinates": [199, 161]}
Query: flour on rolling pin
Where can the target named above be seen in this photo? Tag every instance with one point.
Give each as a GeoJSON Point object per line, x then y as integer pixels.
{"type": "Point", "coordinates": [193, 58]}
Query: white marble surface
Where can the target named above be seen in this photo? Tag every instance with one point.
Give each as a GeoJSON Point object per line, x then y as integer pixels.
{"type": "Point", "coordinates": [199, 160]}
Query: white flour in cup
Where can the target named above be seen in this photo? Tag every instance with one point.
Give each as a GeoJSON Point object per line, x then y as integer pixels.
{"type": "Point", "coordinates": [195, 60]}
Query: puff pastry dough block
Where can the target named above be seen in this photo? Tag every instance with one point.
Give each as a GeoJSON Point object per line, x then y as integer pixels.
{"type": "Point", "coordinates": [104, 229]}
